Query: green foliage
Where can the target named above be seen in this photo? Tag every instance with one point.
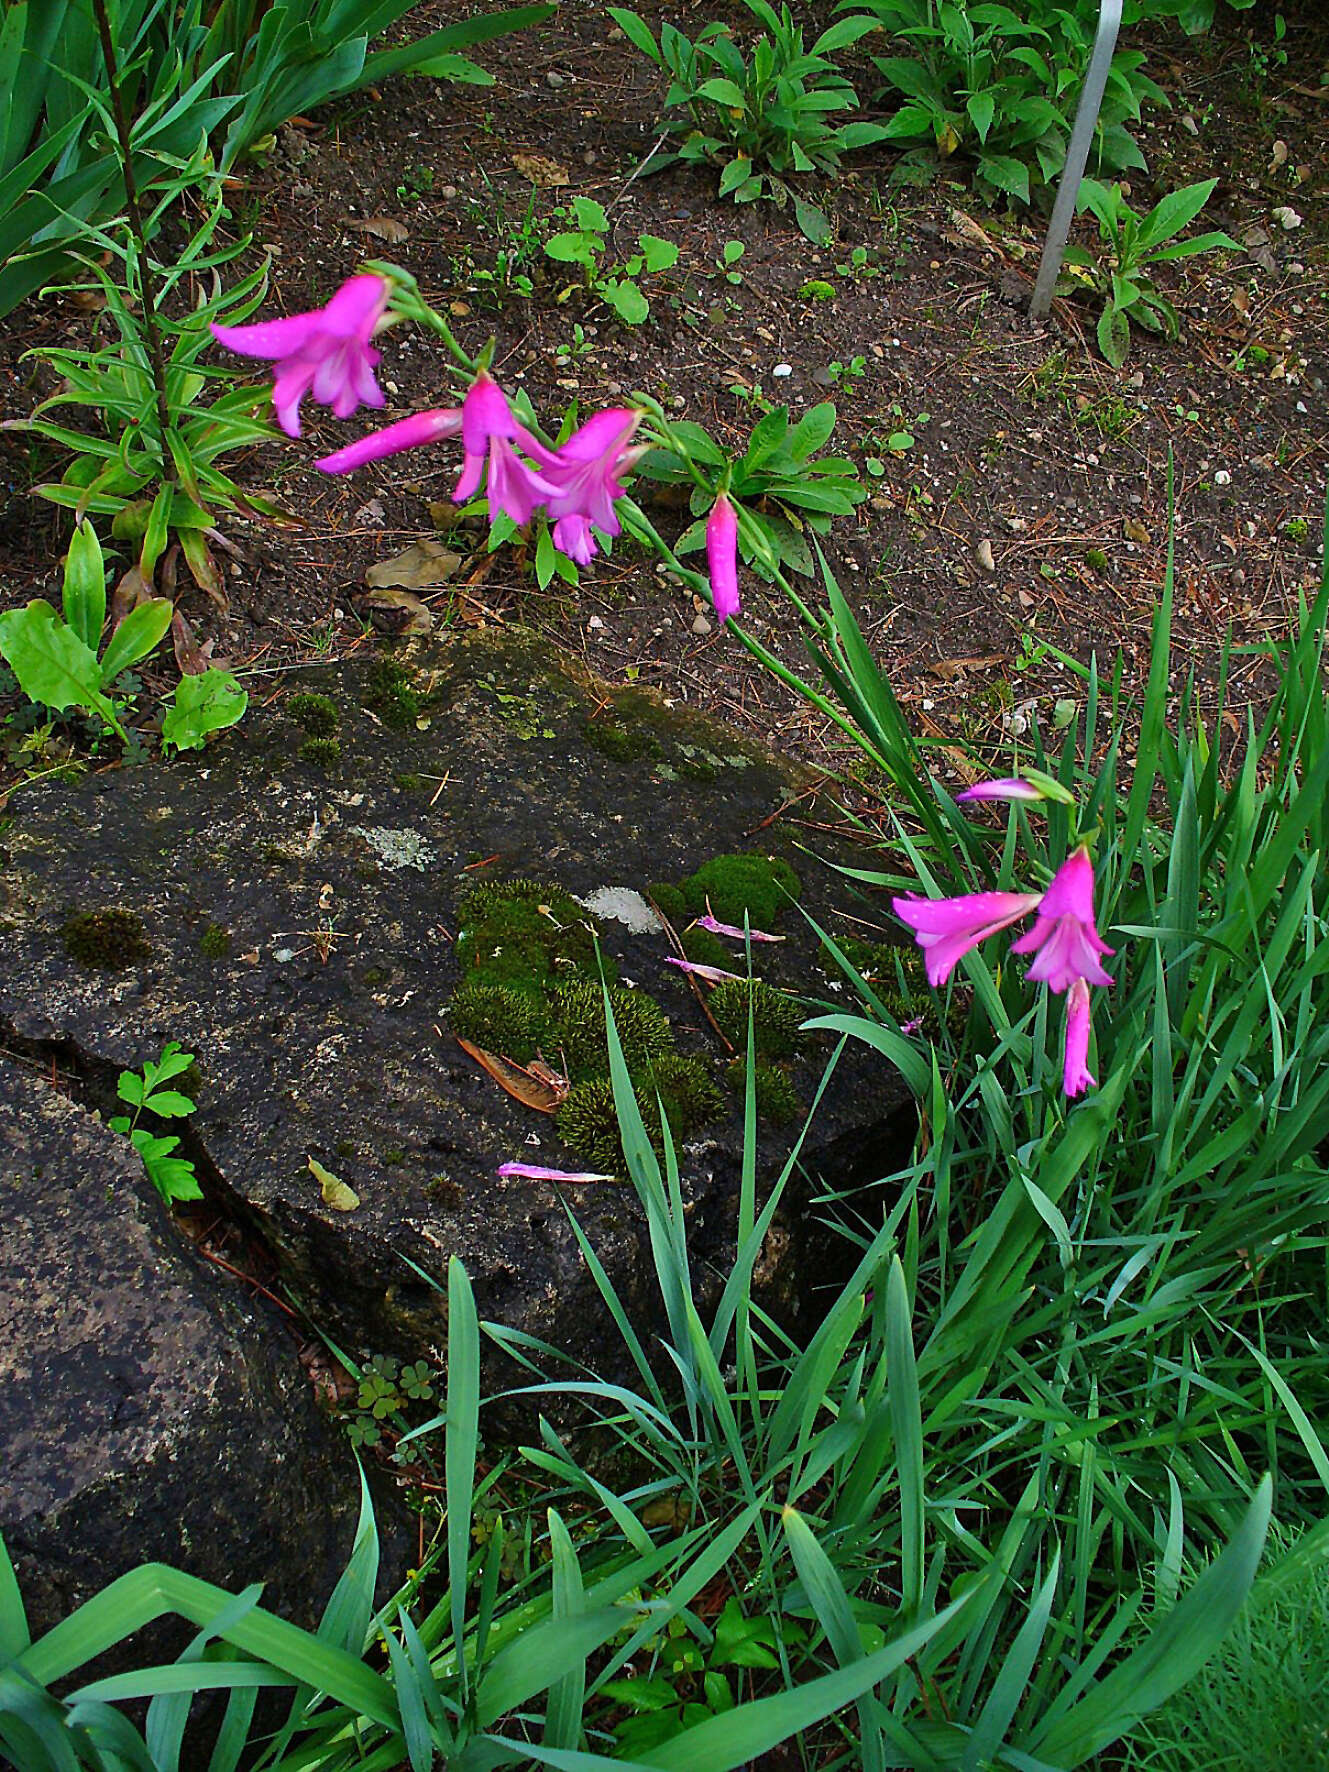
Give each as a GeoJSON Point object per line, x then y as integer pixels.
{"type": "Point", "coordinates": [776, 1018]}
{"type": "Point", "coordinates": [199, 77]}
{"type": "Point", "coordinates": [579, 1019]}
{"type": "Point", "coordinates": [1138, 243]}
{"type": "Point", "coordinates": [780, 488]}
{"type": "Point", "coordinates": [764, 119]}
{"type": "Point", "coordinates": [616, 282]}
{"type": "Point", "coordinates": [1259, 1706]}
{"type": "Point", "coordinates": [391, 693]}
{"type": "Point", "coordinates": [56, 662]}
{"type": "Point", "coordinates": [998, 86]}
{"type": "Point", "coordinates": [523, 934]}
{"type": "Point", "coordinates": [172, 1176]}
{"type": "Point", "coordinates": [150, 458]}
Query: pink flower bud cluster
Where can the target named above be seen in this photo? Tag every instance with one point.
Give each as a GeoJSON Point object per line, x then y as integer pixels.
{"type": "Point", "coordinates": [327, 353]}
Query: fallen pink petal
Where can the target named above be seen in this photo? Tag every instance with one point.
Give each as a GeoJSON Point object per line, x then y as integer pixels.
{"type": "Point", "coordinates": [712, 974]}
{"type": "Point", "coordinates": [1064, 940]}
{"type": "Point", "coordinates": [732, 929]}
{"type": "Point", "coordinates": [948, 928]}
{"type": "Point", "coordinates": [536, 1172]}
{"type": "Point", "coordinates": [325, 351]}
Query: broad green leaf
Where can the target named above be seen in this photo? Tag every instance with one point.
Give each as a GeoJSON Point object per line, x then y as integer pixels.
{"type": "Point", "coordinates": [204, 702]}
{"type": "Point", "coordinates": [141, 631]}
{"type": "Point", "coordinates": [52, 664]}
{"type": "Point", "coordinates": [85, 586]}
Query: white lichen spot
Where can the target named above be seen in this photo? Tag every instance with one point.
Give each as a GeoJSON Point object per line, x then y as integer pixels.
{"type": "Point", "coordinates": [621, 904]}
{"type": "Point", "coordinates": [397, 849]}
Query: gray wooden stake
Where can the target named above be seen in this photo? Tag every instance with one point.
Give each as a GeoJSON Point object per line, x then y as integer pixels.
{"type": "Point", "coordinates": [1077, 153]}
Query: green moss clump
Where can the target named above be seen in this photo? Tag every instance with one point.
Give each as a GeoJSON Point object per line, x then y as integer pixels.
{"type": "Point", "coordinates": [705, 949]}
{"type": "Point", "coordinates": [322, 752]}
{"type": "Point", "coordinates": [391, 693]}
{"type": "Point", "coordinates": [625, 744]}
{"type": "Point", "coordinates": [689, 1091]}
{"type": "Point", "coordinates": [588, 1124]}
{"type": "Point", "coordinates": [109, 939]}
{"type": "Point", "coordinates": [670, 901]}
{"type": "Point", "coordinates": [316, 714]}
{"type": "Point", "coordinates": [777, 1099]}
{"type": "Point", "coordinates": [408, 783]}
{"type": "Point", "coordinates": [1096, 559]}
{"type": "Point", "coordinates": [583, 1036]}
{"type": "Point", "coordinates": [523, 933]}
{"type": "Point", "coordinates": [394, 1158]}
{"type": "Point", "coordinates": [775, 1017]}
{"type": "Point", "coordinates": [500, 1019]}
{"type": "Point", "coordinates": [733, 884]}
{"type": "Point", "coordinates": [215, 941]}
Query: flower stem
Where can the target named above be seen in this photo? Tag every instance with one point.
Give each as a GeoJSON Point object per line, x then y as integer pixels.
{"type": "Point", "coordinates": [147, 280]}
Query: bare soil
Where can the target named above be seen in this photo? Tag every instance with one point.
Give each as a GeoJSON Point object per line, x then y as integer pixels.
{"type": "Point", "coordinates": [1030, 510]}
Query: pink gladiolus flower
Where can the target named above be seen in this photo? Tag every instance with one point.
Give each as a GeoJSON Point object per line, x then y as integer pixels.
{"type": "Point", "coordinates": [1009, 787]}
{"type": "Point", "coordinates": [587, 471]}
{"type": "Point", "coordinates": [1076, 1076]}
{"type": "Point", "coordinates": [488, 430]}
{"type": "Point", "coordinates": [722, 557]}
{"type": "Point", "coordinates": [718, 928]}
{"type": "Point", "coordinates": [712, 974]}
{"type": "Point", "coordinates": [1063, 940]}
{"type": "Point", "coordinates": [534, 1172]}
{"type": "Point", "coordinates": [947, 928]}
{"type": "Point", "coordinates": [326, 351]}
{"type": "Point", "coordinates": [408, 433]}
{"type": "Point", "coordinates": [573, 537]}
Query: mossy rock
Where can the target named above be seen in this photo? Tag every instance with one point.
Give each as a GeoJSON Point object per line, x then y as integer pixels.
{"type": "Point", "coordinates": [777, 1098]}
{"type": "Point", "coordinates": [315, 714]}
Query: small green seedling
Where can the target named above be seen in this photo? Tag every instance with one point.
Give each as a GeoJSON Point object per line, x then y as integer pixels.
{"type": "Point", "coordinates": [172, 1176]}
{"type": "Point", "coordinates": [617, 282]}
{"type": "Point", "coordinates": [844, 375]}
{"type": "Point", "coordinates": [1137, 244]}
{"type": "Point", "coordinates": [728, 261]}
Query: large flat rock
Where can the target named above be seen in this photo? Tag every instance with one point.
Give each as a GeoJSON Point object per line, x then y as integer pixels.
{"type": "Point", "coordinates": [146, 1411]}
{"type": "Point", "coordinates": [297, 920]}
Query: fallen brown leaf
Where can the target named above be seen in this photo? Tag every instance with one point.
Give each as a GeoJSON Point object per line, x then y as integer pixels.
{"type": "Point", "coordinates": [423, 564]}
{"type": "Point", "coordinates": [543, 172]}
{"type": "Point", "coordinates": [544, 1092]}
{"type": "Point", "coordinates": [189, 655]}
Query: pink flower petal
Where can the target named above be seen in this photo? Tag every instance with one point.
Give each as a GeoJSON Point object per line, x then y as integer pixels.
{"type": "Point", "coordinates": [712, 974]}
{"type": "Point", "coordinates": [948, 928]}
{"type": "Point", "coordinates": [1076, 1076]}
{"type": "Point", "coordinates": [1064, 940]}
{"type": "Point", "coordinates": [536, 1172]}
{"type": "Point", "coordinates": [1008, 787]}
{"type": "Point", "coordinates": [718, 928]}
{"type": "Point", "coordinates": [573, 537]}
{"type": "Point", "coordinates": [407, 433]}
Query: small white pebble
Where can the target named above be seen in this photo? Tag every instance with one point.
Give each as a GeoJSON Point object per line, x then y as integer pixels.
{"type": "Point", "coordinates": [1286, 217]}
{"type": "Point", "coordinates": [1222, 477]}
{"type": "Point", "coordinates": [783, 369]}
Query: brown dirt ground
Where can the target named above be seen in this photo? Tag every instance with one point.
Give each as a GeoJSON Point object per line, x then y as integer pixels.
{"type": "Point", "coordinates": [1031, 443]}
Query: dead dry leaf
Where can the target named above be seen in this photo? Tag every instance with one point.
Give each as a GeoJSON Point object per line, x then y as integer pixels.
{"type": "Point", "coordinates": [397, 612]}
{"type": "Point", "coordinates": [382, 227]}
{"type": "Point", "coordinates": [543, 1091]}
{"type": "Point", "coordinates": [950, 668]}
{"type": "Point", "coordinates": [424, 564]}
{"type": "Point", "coordinates": [543, 172]}
{"type": "Point", "coordinates": [189, 655]}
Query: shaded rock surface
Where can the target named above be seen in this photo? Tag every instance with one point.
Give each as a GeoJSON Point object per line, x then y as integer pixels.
{"type": "Point", "coordinates": [300, 902]}
{"type": "Point", "coordinates": [146, 1411]}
